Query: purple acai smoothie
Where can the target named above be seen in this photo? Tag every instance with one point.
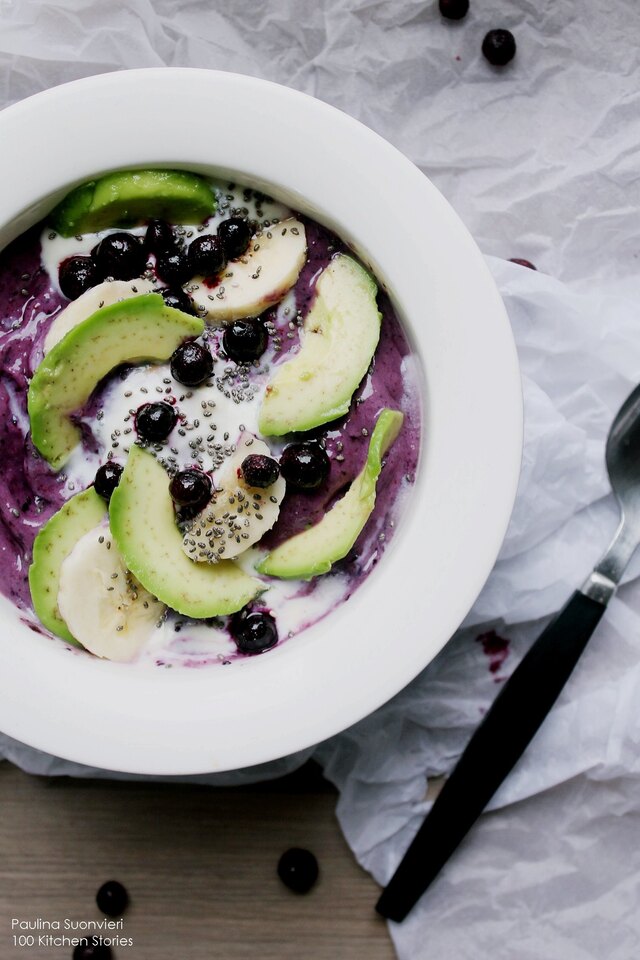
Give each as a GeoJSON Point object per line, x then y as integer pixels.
{"type": "Point", "coordinates": [32, 491]}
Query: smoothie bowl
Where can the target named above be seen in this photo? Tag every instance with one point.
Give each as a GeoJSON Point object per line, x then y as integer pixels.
{"type": "Point", "coordinates": [260, 440]}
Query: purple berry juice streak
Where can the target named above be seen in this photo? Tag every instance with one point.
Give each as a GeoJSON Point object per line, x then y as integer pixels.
{"type": "Point", "coordinates": [496, 649]}
{"type": "Point", "coordinates": [29, 492]}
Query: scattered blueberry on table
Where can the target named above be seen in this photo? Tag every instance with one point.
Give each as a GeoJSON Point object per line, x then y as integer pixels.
{"type": "Point", "coordinates": [91, 951]}
{"type": "Point", "coordinates": [112, 898]}
{"type": "Point", "coordinates": [107, 479]}
{"type": "Point", "coordinates": [454, 9]}
{"type": "Point", "coordinates": [155, 421]}
{"type": "Point", "coordinates": [298, 869]}
{"type": "Point", "coordinates": [191, 364]}
{"type": "Point", "coordinates": [253, 631]}
{"type": "Point", "coordinates": [499, 47]}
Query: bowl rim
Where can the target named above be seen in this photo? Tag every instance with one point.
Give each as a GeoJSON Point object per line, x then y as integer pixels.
{"type": "Point", "coordinates": [326, 164]}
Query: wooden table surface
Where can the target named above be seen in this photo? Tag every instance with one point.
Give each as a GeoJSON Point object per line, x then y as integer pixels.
{"type": "Point", "coordinates": [199, 864]}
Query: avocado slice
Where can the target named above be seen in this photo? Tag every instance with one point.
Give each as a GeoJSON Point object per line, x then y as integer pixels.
{"type": "Point", "coordinates": [52, 546]}
{"type": "Point", "coordinates": [339, 337]}
{"type": "Point", "coordinates": [145, 531]}
{"type": "Point", "coordinates": [315, 550]}
{"type": "Point", "coordinates": [129, 196]}
{"type": "Point", "coordinates": [132, 331]}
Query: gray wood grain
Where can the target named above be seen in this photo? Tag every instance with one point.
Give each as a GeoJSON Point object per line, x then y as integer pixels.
{"type": "Point", "coordinates": [199, 864]}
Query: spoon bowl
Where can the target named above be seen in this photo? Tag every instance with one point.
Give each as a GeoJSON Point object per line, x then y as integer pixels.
{"type": "Point", "coordinates": [623, 459]}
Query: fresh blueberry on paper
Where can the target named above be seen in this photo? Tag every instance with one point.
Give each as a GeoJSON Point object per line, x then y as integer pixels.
{"type": "Point", "coordinates": [112, 898]}
{"type": "Point", "coordinates": [92, 951]}
{"type": "Point", "coordinates": [298, 869]}
{"type": "Point", "coordinates": [454, 9]}
{"type": "Point", "coordinates": [499, 47]}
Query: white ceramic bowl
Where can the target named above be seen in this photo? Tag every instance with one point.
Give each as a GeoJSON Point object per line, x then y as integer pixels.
{"type": "Point", "coordinates": [327, 165]}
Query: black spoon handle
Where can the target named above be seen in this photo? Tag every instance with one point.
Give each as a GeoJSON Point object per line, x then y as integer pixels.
{"type": "Point", "coordinates": [502, 737]}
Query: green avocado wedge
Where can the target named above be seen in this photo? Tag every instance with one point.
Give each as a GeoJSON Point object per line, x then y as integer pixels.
{"type": "Point", "coordinates": [52, 546]}
{"type": "Point", "coordinates": [315, 550]}
{"type": "Point", "coordinates": [130, 196]}
{"type": "Point", "coordinates": [145, 531]}
{"type": "Point", "coordinates": [339, 337]}
{"type": "Point", "coordinates": [136, 330]}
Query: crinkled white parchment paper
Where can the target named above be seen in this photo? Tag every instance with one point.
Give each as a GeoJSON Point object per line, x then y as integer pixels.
{"type": "Point", "coordinates": [541, 160]}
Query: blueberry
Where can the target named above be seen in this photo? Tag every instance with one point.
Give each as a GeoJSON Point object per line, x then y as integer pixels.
{"type": "Point", "coordinates": [112, 898]}
{"type": "Point", "coordinates": [298, 869]}
{"type": "Point", "coordinates": [107, 479]}
{"type": "Point", "coordinates": [76, 275]}
{"type": "Point", "coordinates": [304, 465]}
{"type": "Point", "coordinates": [191, 364]}
{"type": "Point", "coordinates": [177, 299]}
{"type": "Point", "coordinates": [92, 950]}
{"type": "Point", "coordinates": [235, 234]}
{"type": "Point", "coordinates": [499, 47]}
{"type": "Point", "coordinates": [173, 267]}
{"type": "Point", "coordinates": [244, 340]}
{"type": "Point", "coordinates": [523, 263]}
{"type": "Point", "coordinates": [206, 256]}
{"type": "Point", "coordinates": [159, 238]}
{"type": "Point", "coordinates": [259, 471]}
{"type": "Point", "coordinates": [454, 9]}
{"type": "Point", "coordinates": [190, 488]}
{"type": "Point", "coordinates": [120, 256]}
{"type": "Point", "coordinates": [155, 421]}
{"type": "Point", "coordinates": [253, 632]}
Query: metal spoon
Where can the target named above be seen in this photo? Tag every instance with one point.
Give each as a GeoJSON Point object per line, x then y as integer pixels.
{"type": "Point", "coordinates": [529, 694]}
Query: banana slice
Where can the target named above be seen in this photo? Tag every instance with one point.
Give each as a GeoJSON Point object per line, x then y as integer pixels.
{"type": "Point", "coordinates": [237, 515]}
{"type": "Point", "coordinates": [260, 278]}
{"type": "Point", "coordinates": [91, 300]}
{"type": "Point", "coordinates": [103, 605]}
